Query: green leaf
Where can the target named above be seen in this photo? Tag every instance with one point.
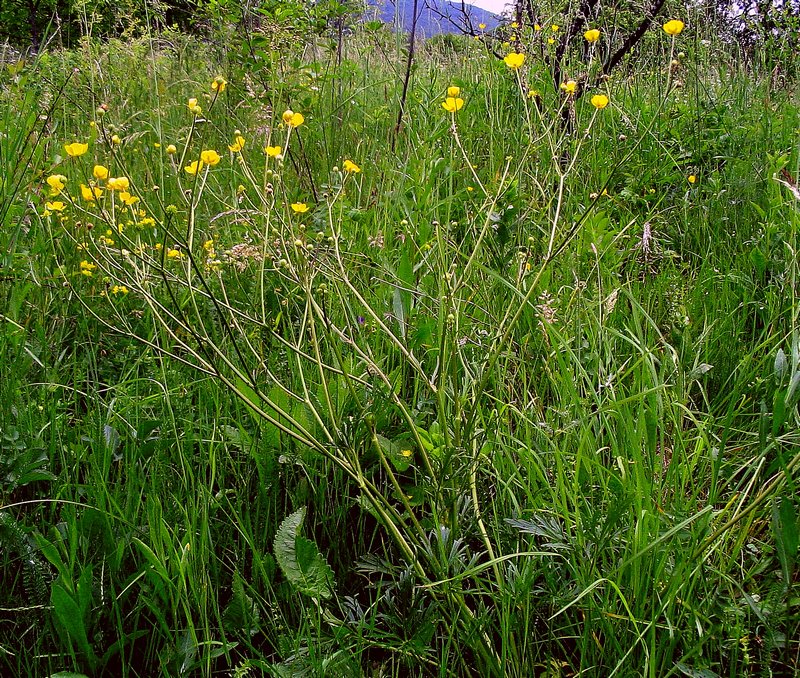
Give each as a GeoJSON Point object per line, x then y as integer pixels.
{"type": "Point", "coordinates": [787, 538]}
{"type": "Point", "coordinates": [300, 560]}
{"type": "Point", "coordinates": [69, 615]}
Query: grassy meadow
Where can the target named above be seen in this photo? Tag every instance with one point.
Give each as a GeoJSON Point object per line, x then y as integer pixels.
{"type": "Point", "coordinates": [291, 386]}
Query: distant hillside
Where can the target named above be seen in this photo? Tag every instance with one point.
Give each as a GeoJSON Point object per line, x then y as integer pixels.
{"type": "Point", "coordinates": [435, 16]}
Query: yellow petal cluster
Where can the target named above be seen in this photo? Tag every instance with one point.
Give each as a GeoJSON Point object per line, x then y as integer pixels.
{"type": "Point", "coordinates": [118, 184]}
{"type": "Point", "coordinates": [293, 119]}
{"type": "Point", "coordinates": [570, 86]}
{"type": "Point", "coordinates": [592, 35]}
{"type": "Point", "coordinates": [600, 101]}
{"type": "Point", "coordinates": [453, 104]}
{"type": "Point", "coordinates": [76, 149]}
{"type": "Point", "coordinates": [56, 182]}
{"type": "Point", "coordinates": [210, 157]}
{"type": "Point", "coordinates": [237, 145]}
{"type": "Point", "coordinates": [350, 167]}
{"type": "Point", "coordinates": [514, 60]}
{"type": "Point", "coordinates": [673, 27]}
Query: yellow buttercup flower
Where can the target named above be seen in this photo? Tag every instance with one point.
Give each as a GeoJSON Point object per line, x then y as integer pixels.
{"type": "Point", "coordinates": [87, 268]}
{"type": "Point", "coordinates": [673, 27]}
{"type": "Point", "coordinates": [293, 119]}
{"type": "Point", "coordinates": [555, 28]}
{"type": "Point", "coordinates": [453, 91]}
{"type": "Point", "coordinates": [481, 26]}
{"type": "Point", "coordinates": [237, 145]}
{"type": "Point", "coordinates": [172, 149]}
{"type": "Point", "coordinates": [453, 104]}
{"type": "Point", "coordinates": [100, 172]}
{"type": "Point", "coordinates": [592, 35]}
{"type": "Point", "coordinates": [551, 41]}
{"type": "Point", "coordinates": [119, 289]}
{"type": "Point", "coordinates": [118, 184]}
{"type": "Point", "coordinates": [174, 254]}
{"type": "Point", "coordinates": [537, 27]}
{"type": "Point", "coordinates": [127, 198]}
{"type": "Point", "coordinates": [194, 167]}
{"type": "Point", "coordinates": [56, 182]}
{"type": "Point", "coordinates": [514, 60]}
{"type": "Point", "coordinates": [273, 151]}
{"type": "Point", "coordinates": [299, 207]}
{"type": "Point", "coordinates": [570, 86]}
{"type": "Point", "coordinates": [692, 179]}
{"type": "Point", "coordinates": [210, 157]}
{"type": "Point", "coordinates": [76, 149]}
{"type": "Point", "coordinates": [219, 84]}
{"type": "Point", "coordinates": [55, 206]}
{"type": "Point", "coordinates": [91, 193]}
{"type": "Point", "coordinates": [514, 24]}
{"type": "Point", "coordinates": [533, 93]}
{"type": "Point", "coordinates": [116, 140]}
{"type": "Point", "coordinates": [600, 101]}
{"type": "Point", "coordinates": [194, 107]}
{"type": "Point", "coordinates": [350, 167]}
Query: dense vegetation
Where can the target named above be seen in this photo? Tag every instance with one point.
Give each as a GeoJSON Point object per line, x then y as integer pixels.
{"type": "Point", "coordinates": [293, 384]}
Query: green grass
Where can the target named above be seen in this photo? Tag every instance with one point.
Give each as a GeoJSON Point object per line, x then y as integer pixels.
{"type": "Point", "coordinates": [535, 391]}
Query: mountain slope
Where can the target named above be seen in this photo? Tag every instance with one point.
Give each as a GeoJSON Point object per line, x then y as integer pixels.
{"type": "Point", "coordinates": [434, 16]}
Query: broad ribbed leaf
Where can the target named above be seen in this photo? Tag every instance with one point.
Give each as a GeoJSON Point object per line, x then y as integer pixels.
{"type": "Point", "coordinates": [300, 560]}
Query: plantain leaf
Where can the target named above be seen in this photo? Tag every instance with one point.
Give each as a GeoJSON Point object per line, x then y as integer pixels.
{"type": "Point", "coordinates": [300, 560]}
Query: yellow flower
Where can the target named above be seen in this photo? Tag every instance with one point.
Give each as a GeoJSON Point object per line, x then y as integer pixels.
{"type": "Point", "coordinates": [453, 91]}
{"type": "Point", "coordinates": [592, 35]}
{"type": "Point", "coordinates": [91, 193]}
{"type": "Point", "coordinates": [194, 167]}
{"type": "Point", "coordinates": [551, 41]}
{"type": "Point", "coordinates": [599, 101]}
{"type": "Point", "coordinates": [692, 179]}
{"type": "Point", "coordinates": [293, 119]}
{"type": "Point", "coordinates": [193, 106]}
{"type": "Point", "coordinates": [55, 206]}
{"type": "Point", "coordinates": [127, 198]}
{"type": "Point", "coordinates": [100, 172]}
{"type": "Point", "coordinates": [514, 24]}
{"type": "Point", "coordinates": [350, 167]}
{"type": "Point", "coordinates": [56, 182]}
{"type": "Point", "coordinates": [174, 254]}
{"type": "Point", "coordinates": [537, 27]}
{"type": "Point", "coordinates": [570, 86]}
{"type": "Point", "coordinates": [514, 60]}
{"type": "Point", "coordinates": [172, 149]}
{"type": "Point", "coordinates": [116, 140]}
{"type": "Point", "coordinates": [273, 151]}
{"type": "Point", "coordinates": [76, 149]}
{"type": "Point", "coordinates": [555, 28]}
{"type": "Point", "coordinates": [512, 38]}
{"type": "Point", "coordinates": [210, 157]}
{"type": "Point", "coordinates": [118, 184]}
{"type": "Point", "coordinates": [452, 104]}
{"type": "Point", "coordinates": [237, 145]}
{"type": "Point", "coordinates": [219, 84]}
{"type": "Point", "coordinates": [87, 267]}
{"type": "Point", "coordinates": [533, 93]}
{"type": "Point", "coordinates": [481, 26]}
{"type": "Point", "coordinates": [119, 289]}
{"type": "Point", "coordinates": [299, 207]}
{"type": "Point", "coordinates": [673, 27]}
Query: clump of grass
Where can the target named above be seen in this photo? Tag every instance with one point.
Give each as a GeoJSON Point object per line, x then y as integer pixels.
{"type": "Point", "coordinates": [516, 398]}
